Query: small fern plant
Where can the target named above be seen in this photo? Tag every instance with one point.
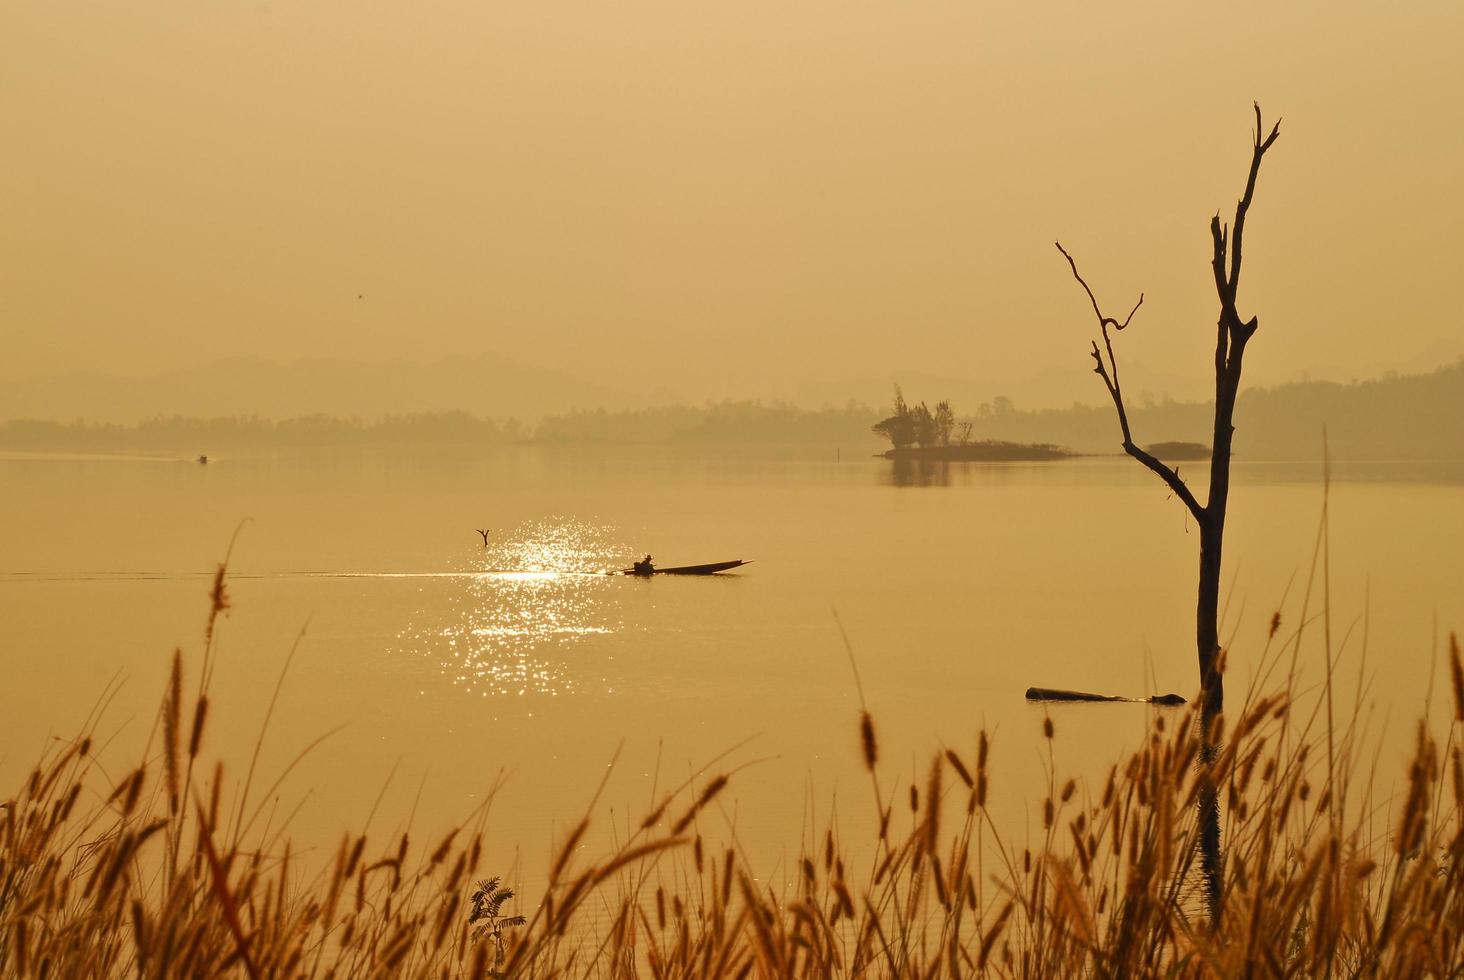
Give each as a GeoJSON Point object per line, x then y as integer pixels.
{"type": "Point", "coordinates": [488, 902]}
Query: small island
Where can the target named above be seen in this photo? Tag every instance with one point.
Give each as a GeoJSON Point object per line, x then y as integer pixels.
{"type": "Point", "coordinates": [1178, 450]}
{"type": "Point", "coordinates": [918, 433]}
{"type": "Point", "coordinates": [983, 450]}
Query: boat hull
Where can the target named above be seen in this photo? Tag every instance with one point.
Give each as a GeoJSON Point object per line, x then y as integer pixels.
{"type": "Point", "coordinates": [707, 569]}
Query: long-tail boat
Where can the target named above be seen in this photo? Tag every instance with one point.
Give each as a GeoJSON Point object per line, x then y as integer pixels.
{"type": "Point", "coordinates": [646, 571]}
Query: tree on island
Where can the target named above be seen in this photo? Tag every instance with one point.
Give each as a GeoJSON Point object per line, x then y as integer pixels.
{"type": "Point", "coordinates": [901, 428]}
{"type": "Point", "coordinates": [945, 422]}
{"type": "Point", "coordinates": [1232, 335]}
{"type": "Point", "coordinates": [917, 425]}
{"type": "Point", "coordinates": [914, 426]}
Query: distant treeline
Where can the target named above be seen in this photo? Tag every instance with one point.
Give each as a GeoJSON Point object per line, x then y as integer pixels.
{"type": "Point", "coordinates": [1394, 417]}
{"type": "Point", "coordinates": [1417, 416]}
{"type": "Point", "coordinates": [720, 423]}
{"type": "Point", "coordinates": [724, 423]}
{"type": "Point", "coordinates": [203, 435]}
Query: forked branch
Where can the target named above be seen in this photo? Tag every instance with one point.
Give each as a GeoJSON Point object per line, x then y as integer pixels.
{"type": "Point", "coordinates": [1108, 371]}
{"type": "Point", "coordinates": [1227, 242]}
{"type": "Point", "coordinates": [1259, 148]}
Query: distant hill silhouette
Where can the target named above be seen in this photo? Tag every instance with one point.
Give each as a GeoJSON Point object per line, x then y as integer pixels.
{"type": "Point", "coordinates": [1390, 418]}
{"type": "Point", "coordinates": [1417, 416]}
{"type": "Point", "coordinates": [1052, 385]}
{"type": "Point", "coordinates": [719, 423]}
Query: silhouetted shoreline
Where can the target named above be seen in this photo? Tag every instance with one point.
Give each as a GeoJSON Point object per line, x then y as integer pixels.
{"type": "Point", "coordinates": [989, 450]}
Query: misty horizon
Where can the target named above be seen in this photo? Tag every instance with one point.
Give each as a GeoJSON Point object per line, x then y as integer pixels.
{"type": "Point", "coordinates": [493, 386]}
{"type": "Point", "coordinates": [1392, 417]}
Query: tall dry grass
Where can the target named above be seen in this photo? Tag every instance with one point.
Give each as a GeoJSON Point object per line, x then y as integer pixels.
{"type": "Point", "coordinates": [159, 871]}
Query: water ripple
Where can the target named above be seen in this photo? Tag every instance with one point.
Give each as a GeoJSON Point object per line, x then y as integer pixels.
{"type": "Point", "coordinates": [507, 625]}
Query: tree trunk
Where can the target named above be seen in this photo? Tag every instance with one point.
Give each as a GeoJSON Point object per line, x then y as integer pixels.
{"type": "Point", "coordinates": [1232, 335]}
{"type": "Point", "coordinates": [1207, 623]}
{"type": "Point", "coordinates": [1212, 703]}
{"type": "Point", "coordinates": [1229, 355]}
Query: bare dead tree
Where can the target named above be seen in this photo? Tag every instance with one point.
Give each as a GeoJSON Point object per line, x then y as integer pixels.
{"type": "Point", "coordinates": [1232, 336]}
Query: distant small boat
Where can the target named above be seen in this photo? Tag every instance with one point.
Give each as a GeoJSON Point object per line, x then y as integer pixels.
{"type": "Point", "coordinates": [203, 459]}
{"type": "Point", "coordinates": [708, 569]}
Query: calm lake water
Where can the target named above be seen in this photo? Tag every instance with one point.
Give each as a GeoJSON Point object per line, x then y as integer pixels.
{"type": "Point", "coordinates": [442, 667]}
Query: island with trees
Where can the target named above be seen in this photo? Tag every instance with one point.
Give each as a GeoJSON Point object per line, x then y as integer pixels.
{"type": "Point", "coordinates": [916, 432]}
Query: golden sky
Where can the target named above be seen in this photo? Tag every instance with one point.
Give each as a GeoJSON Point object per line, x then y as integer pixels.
{"type": "Point", "coordinates": [721, 194]}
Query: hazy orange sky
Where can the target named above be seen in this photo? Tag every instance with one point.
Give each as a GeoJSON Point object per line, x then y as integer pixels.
{"type": "Point", "coordinates": [720, 194]}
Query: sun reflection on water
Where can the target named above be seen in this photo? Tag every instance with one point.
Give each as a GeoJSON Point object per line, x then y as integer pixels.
{"type": "Point", "coordinates": [535, 591]}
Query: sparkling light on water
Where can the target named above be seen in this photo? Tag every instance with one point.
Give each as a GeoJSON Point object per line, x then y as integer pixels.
{"type": "Point", "coordinates": [535, 591]}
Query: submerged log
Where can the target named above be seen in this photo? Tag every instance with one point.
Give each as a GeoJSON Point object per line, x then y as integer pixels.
{"type": "Point", "coordinates": [1055, 694]}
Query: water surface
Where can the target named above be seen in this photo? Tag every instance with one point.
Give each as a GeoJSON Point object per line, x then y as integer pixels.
{"type": "Point", "coordinates": [449, 667]}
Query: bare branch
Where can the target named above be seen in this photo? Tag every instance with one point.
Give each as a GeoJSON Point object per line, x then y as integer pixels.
{"type": "Point", "coordinates": [1170, 477]}
{"type": "Point", "coordinates": [1126, 319]}
{"type": "Point", "coordinates": [1217, 262]}
{"type": "Point", "coordinates": [1275, 130]}
{"type": "Point", "coordinates": [1109, 373]}
{"type": "Point", "coordinates": [1258, 150]}
{"type": "Point", "coordinates": [1103, 373]}
{"type": "Point", "coordinates": [1115, 394]}
{"type": "Point", "coordinates": [1103, 321]}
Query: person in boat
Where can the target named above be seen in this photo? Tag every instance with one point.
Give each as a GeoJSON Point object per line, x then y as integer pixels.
{"type": "Point", "coordinates": [644, 566]}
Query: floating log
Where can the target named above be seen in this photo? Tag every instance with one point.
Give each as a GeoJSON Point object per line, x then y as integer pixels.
{"type": "Point", "coordinates": [1055, 694]}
